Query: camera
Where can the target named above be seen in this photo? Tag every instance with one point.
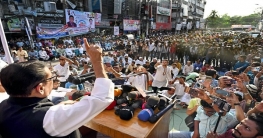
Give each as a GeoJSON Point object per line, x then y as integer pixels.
{"type": "Point", "coordinates": [222, 104]}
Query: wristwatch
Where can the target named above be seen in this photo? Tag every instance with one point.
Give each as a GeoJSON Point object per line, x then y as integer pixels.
{"type": "Point", "coordinates": [236, 103]}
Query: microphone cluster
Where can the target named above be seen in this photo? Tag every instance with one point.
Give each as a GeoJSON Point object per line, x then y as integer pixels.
{"type": "Point", "coordinates": [82, 78]}
{"type": "Point", "coordinates": [131, 99]}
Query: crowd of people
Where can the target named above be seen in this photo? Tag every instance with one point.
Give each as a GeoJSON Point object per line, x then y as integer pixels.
{"type": "Point", "coordinates": [199, 68]}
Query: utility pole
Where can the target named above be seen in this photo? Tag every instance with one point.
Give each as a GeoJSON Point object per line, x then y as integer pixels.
{"type": "Point", "coordinates": [147, 19]}
{"type": "Point", "coordinates": [139, 16]}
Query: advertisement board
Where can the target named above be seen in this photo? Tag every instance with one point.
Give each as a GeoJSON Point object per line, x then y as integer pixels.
{"type": "Point", "coordinates": [79, 19]}
{"type": "Point", "coordinates": [163, 11]}
{"type": "Point", "coordinates": [131, 25]}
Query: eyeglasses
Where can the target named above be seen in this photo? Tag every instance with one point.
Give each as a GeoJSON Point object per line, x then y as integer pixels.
{"type": "Point", "coordinates": [54, 75]}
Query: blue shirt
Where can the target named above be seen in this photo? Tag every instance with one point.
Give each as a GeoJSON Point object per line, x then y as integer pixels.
{"type": "Point", "coordinates": [196, 65]}
{"type": "Point", "coordinates": [242, 65]}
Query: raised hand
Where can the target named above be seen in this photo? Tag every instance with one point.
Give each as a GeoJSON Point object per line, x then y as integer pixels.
{"type": "Point", "coordinates": [94, 51]}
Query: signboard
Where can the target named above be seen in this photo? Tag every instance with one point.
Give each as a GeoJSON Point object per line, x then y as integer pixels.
{"type": "Point", "coordinates": [178, 27]}
{"type": "Point", "coordinates": [117, 6]}
{"type": "Point", "coordinates": [50, 21]}
{"type": "Point", "coordinates": [116, 30]}
{"type": "Point", "coordinates": [30, 21]}
{"type": "Point", "coordinates": [131, 25]}
{"type": "Point", "coordinates": [78, 19]}
{"type": "Point", "coordinates": [44, 25]}
{"type": "Point", "coordinates": [96, 6]}
{"type": "Point", "coordinates": [14, 25]}
{"type": "Point", "coordinates": [97, 18]}
{"type": "Point", "coordinates": [163, 11]}
{"type": "Point", "coordinates": [163, 26]}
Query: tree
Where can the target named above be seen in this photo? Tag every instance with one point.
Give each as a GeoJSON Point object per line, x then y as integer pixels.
{"type": "Point", "coordinates": [212, 18]}
{"type": "Point", "coordinates": [225, 21]}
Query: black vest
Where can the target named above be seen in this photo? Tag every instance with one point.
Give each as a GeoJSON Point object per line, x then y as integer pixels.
{"type": "Point", "coordinates": [23, 118]}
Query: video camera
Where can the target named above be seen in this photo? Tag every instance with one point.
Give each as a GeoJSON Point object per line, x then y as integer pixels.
{"type": "Point", "coordinates": [222, 104]}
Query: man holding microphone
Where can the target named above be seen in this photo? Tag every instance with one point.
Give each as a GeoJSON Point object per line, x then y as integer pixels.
{"type": "Point", "coordinates": [27, 113]}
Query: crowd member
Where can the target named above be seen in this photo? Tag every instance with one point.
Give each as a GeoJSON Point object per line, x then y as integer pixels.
{"type": "Point", "coordinates": [28, 103]}
{"type": "Point", "coordinates": [22, 54]}
{"type": "Point", "coordinates": [188, 68]}
{"type": "Point", "coordinates": [215, 55]}
{"type": "Point", "coordinates": [62, 70]}
{"type": "Point", "coordinates": [162, 76]}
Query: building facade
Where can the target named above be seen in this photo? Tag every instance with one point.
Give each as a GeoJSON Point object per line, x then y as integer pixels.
{"type": "Point", "coordinates": [131, 16]}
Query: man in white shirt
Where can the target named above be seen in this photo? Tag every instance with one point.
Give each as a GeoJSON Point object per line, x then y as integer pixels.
{"type": "Point", "coordinates": [188, 68]}
{"type": "Point", "coordinates": [175, 70]}
{"type": "Point", "coordinates": [69, 52]}
{"type": "Point", "coordinates": [62, 70]}
{"type": "Point", "coordinates": [140, 61]}
{"type": "Point", "coordinates": [163, 75]}
{"type": "Point", "coordinates": [3, 94]}
{"type": "Point", "coordinates": [40, 117]}
{"type": "Point", "coordinates": [140, 81]}
{"type": "Point", "coordinates": [43, 54]}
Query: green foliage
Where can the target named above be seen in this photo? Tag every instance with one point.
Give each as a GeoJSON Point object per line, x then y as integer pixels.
{"type": "Point", "coordinates": [225, 21]}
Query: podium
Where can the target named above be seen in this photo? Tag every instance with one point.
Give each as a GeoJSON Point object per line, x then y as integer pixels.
{"type": "Point", "coordinates": [111, 125]}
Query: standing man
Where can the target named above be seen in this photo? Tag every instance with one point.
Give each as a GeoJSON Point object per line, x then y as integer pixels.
{"type": "Point", "coordinates": [62, 70]}
{"type": "Point", "coordinates": [163, 75]}
{"type": "Point", "coordinates": [31, 84]}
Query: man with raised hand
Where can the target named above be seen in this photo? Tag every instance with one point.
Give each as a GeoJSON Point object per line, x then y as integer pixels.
{"type": "Point", "coordinates": [27, 113]}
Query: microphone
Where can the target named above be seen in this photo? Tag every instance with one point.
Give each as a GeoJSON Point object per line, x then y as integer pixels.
{"type": "Point", "coordinates": [78, 80]}
{"type": "Point", "coordinates": [87, 74]}
{"type": "Point", "coordinates": [137, 104]}
{"type": "Point", "coordinates": [162, 103]}
{"type": "Point", "coordinates": [154, 118]}
{"type": "Point", "coordinates": [152, 102]}
{"type": "Point", "coordinates": [134, 95]}
{"type": "Point", "coordinates": [122, 100]}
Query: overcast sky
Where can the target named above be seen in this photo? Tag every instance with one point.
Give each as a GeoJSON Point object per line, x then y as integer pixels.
{"type": "Point", "coordinates": [232, 7]}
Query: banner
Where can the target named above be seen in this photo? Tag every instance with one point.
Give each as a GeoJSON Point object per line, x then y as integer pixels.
{"type": "Point", "coordinates": [131, 25]}
{"type": "Point", "coordinates": [47, 33]}
{"type": "Point", "coordinates": [14, 24]}
{"type": "Point", "coordinates": [116, 30]}
{"type": "Point", "coordinates": [78, 19]}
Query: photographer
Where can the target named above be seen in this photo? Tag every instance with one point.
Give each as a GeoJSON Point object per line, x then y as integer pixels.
{"type": "Point", "coordinates": [250, 127]}
{"type": "Point", "coordinates": [27, 113]}
{"type": "Point", "coordinates": [206, 118]}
